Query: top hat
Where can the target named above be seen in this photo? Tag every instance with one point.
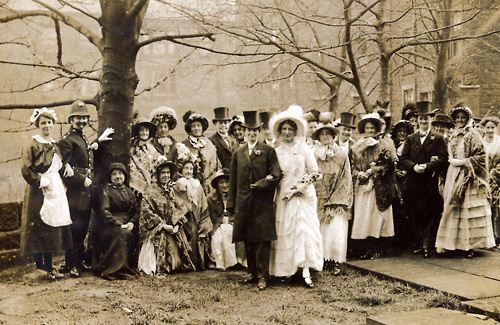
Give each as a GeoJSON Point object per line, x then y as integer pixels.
{"type": "Point", "coordinates": [252, 120]}
{"type": "Point", "coordinates": [221, 114]}
{"type": "Point", "coordinates": [142, 121]}
{"type": "Point", "coordinates": [424, 108]}
{"type": "Point", "coordinates": [78, 108]}
{"type": "Point", "coordinates": [264, 118]}
{"type": "Point", "coordinates": [443, 119]}
{"type": "Point", "coordinates": [347, 119]}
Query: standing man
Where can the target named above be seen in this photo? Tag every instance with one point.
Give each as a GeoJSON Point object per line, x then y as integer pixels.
{"type": "Point", "coordinates": [424, 157]}
{"type": "Point", "coordinates": [221, 139]}
{"type": "Point", "coordinates": [254, 175]}
{"type": "Point", "coordinates": [344, 139]}
{"type": "Point", "coordinates": [77, 152]}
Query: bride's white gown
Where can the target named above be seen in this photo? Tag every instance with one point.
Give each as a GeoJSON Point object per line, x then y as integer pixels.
{"type": "Point", "coordinates": [299, 242]}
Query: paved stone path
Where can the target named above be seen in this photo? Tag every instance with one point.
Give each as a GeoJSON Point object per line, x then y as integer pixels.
{"type": "Point", "coordinates": [476, 281]}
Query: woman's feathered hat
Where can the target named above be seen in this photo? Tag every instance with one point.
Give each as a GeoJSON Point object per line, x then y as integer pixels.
{"type": "Point", "coordinates": [236, 120]}
{"type": "Point", "coordinates": [461, 108]}
{"type": "Point", "coordinates": [189, 117]}
{"type": "Point", "coordinates": [164, 114]}
{"type": "Point", "coordinates": [294, 113]}
{"type": "Point", "coordinates": [142, 121]}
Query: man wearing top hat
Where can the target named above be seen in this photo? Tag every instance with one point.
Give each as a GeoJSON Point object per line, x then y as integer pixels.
{"type": "Point", "coordinates": [344, 139]}
{"type": "Point", "coordinates": [254, 175]}
{"type": "Point", "coordinates": [424, 157]}
{"type": "Point", "coordinates": [221, 139]}
{"type": "Point", "coordinates": [77, 152]}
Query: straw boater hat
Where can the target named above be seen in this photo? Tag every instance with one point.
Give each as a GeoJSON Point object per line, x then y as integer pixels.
{"type": "Point", "coordinates": [463, 109]}
{"type": "Point", "coordinates": [347, 119]}
{"type": "Point", "coordinates": [221, 114]}
{"type": "Point", "coordinates": [221, 173]}
{"type": "Point", "coordinates": [443, 119]}
{"type": "Point", "coordinates": [142, 121]}
{"type": "Point", "coordinates": [403, 124]}
{"type": "Point", "coordinates": [164, 114]}
{"type": "Point", "coordinates": [236, 120]}
{"type": "Point", "coordinates": [78, 108]}
{"type": "Point", "coordinates": [373, 118]}
{"type": "Point", "coordinates": [293, 113]}
{"type": "Point", "coordinates": [189, 117]}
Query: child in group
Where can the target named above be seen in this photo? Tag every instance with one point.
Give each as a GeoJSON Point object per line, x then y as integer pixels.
{"type": "Point", "coordinates": [189, 189]}
{"type": "Point", "coordinates": [223, 248]}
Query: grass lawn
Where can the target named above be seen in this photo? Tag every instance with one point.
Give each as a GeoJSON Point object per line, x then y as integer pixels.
{"type": "Point", "coordinates": [208, 297]}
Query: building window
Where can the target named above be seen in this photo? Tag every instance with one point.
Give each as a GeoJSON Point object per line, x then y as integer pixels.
{"type": "Point", "coordinates": [408, 96]}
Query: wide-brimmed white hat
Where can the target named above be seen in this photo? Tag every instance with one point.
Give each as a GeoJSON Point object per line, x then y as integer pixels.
{"type": "Point", "coordinates": [293, 113]}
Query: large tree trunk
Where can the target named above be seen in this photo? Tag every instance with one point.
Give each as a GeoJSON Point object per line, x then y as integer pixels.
{"type": "Point", "coordinates": [385, 80]}
{"type": "Point", "coordinates": [118, 80]}
{"type": "Point", "coordinates": [440, 83]}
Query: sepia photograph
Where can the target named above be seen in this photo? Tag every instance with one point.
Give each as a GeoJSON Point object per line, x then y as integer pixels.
{"type": "Point", "coordinates": [250, 162]}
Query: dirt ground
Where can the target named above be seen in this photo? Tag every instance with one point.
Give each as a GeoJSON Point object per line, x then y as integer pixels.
{"type": "Point", "coordinates": [208, 297]}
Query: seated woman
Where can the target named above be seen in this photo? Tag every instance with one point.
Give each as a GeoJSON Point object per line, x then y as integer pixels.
{"type": "Point", "coordinates": [189, 189]}
{"type": "Point", "coordinates": [118, 215]}
{"type": "Point", "coordinates": [223, 248]}
{"type": "Point", "coordinates": [161, 224]}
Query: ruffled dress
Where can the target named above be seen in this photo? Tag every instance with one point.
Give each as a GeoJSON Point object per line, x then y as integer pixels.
{"type": "Point", "coordinates": [466, 220]}
{"type": "Point", "coordinates": [299, 242]}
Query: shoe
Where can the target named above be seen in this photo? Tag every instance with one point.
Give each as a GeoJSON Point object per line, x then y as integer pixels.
{"type": "Point", "coordinates": [54, 275]}
{"type": "Point", "coordinates": [469, 254]}
{"type": "Point", "coordinates": [262, 284]}
{"type": "Point", "coordinates": [418, 251]}
{"type": "Point", "coordinates": [64, 268]}
{"type": "Point", "coordinates": [308, 283]}
{"type": "Point", "coordinates": [251, 280]}
{"type": "Point", "coordinates": [85, 267]}
{"type": "Point", "coordinates": [374, 255]}
{"type": "Point", "coordinates": [426, 253]}
{"type": "Point", "coordinates": [74, 272]}
{"type": "Point", "coordinates": [336, 269]}
{"type": "Point", "coordinates": [365, 256]}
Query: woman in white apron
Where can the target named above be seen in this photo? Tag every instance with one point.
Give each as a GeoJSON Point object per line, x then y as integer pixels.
{"type": "Point", "coordinates": [46, 217]}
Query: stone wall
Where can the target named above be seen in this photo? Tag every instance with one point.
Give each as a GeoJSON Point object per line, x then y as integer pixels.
{"type": "Point", "coordinates": [10, 233]}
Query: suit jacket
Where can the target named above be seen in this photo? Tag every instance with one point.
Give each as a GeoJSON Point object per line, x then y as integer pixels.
{"type": "Point", "coordinates": [253, 208]}
{"type": "Point", "coordinates": [422, 189]}
{"type": "Point", "coordinates": [224, 150]}
{"type": "Point", "coordinates": [76, 152]}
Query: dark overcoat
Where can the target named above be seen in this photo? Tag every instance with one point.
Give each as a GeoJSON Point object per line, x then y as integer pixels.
{"type": "Point", "coordinates": [253, 208]}
{"type": "Point", "coordinates": [76, 151]}
{"type": "Point", "coordinates": [422, 192]}
{"type": "Point", "coordinates": [224, 150]}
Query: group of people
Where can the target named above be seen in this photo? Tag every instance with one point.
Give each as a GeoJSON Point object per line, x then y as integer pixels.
{"type": "Point", "coordinates": [278, 194]}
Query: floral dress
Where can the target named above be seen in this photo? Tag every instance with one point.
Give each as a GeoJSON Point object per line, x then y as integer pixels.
{"type": "Point", "coordinates": [207, 153]}
{"type": "Point", "coordinates": [466, 220]}
{"type": "Point", "coordinates": [299, 242]}
{"type": "Point", "coordinates": [160, 207]}
{"type": "Point", "coordinates": [142, 159]}
{"type": "Point", "coordinates": [335, 197]}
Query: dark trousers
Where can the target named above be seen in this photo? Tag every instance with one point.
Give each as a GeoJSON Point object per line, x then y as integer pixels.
{"type": "Point", "coordinates": [79, 229]}
{"type": "Point", "coordinates": [43, 261]}
{"type": "Point", "coordinates": [424, 226]}
{"type": "Point", "coordinates": [258, 258]}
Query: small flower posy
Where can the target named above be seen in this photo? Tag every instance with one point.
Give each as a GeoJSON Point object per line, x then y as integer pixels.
{"type": "Point", "coordinates": [257, 152]}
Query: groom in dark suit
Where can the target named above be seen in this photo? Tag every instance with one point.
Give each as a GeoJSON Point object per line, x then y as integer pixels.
{"type": "Point", "coordinates": [254, 175]}
{"type": "Point", "coordinates": [424, 157]}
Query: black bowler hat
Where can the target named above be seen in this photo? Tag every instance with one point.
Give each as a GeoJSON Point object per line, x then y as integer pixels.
{"type": "Point", "coordinates": [424, 108]}
{"type": "Point", "coordinates": [221, 114]}
{"type": "Point", "coordinates": [252, 120]}
{"type": "Point", "coordinates": [264, 118]}
{"type": "Point", "coordinates": [347, 119]}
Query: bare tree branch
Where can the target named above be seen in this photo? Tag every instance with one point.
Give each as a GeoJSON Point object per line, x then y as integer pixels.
{"type": "Point", "coordinates": [171, 38]}
{"type": "Point", "coordinates": [136, 9]}
{"type": "Point", "coordinates": [59, 41]}
{"type": "Point", "coordinates": [92, 101]}
{"type": "Point", "coordinates": [69, 4]}
{"type": "Point", "coordinates": [49, 66]}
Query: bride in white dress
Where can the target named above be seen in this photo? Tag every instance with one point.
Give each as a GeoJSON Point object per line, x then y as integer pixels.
{"type": "Point", "coordinates": [299, 243]}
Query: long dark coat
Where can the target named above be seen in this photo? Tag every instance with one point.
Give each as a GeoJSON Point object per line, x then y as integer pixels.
{"type": "Point", "coordinates": [75, 150]}
{"type": "Point", "coordinates": [254, 210]}
{"type": "Point", "coordinates": [422, 192]}
{"type": "Point", "coordinates": [38, 237]}
{"type": "Point", "coordinates": [224, 150]}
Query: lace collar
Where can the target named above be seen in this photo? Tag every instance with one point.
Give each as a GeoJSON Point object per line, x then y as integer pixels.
{"type": "Point", "coordinates": [39, 138]}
